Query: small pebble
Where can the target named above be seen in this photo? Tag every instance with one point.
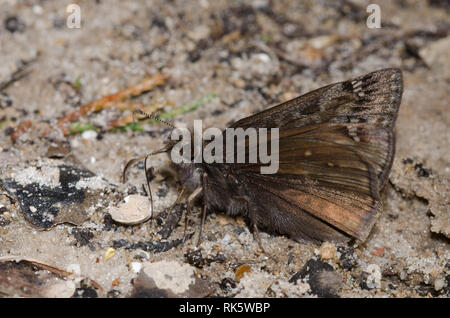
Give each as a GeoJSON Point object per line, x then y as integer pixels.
{"type": "Point", "coordinates": [110, 252]}
{"type": "Point", "coordinates": [241, 270]}
{"type": "Point", "coordinates": [378, 252]}
{"type": "Point", "coordinates": [263, 57]}
{"type": "Point", "coordinates": [136, 267]}
{"type": "Point", "coordinates": [143, 254]}
{"type": "Point", "coordinates": [327, 251]}
{"type": "Point", "coordinates": [38, 10]}
{"type": "Point", "coordinates": [323, 280]}
{"type": "Point", "coordinates": [13, 24]}
{"type": "Point", "coordinates": [239, 83]}
{"type": "Point", "coordinates": [439, 284]}
{"type": "Point", "coordinates": [58, 150]}
{"type": "Point", "coordinates": [60, 289]}
{"type": "Point", "coordinates": [373, 276]}
{"type": "Point", "coordinates": [169, 279]}
{"type": "Point", "coordinates": [436, 53]}
{"type": "Point", "coordinates": [89, 135]}
{"type": "Point", "coordinates": [135, 210]}
{"type": "Point", "coordinates": [347, 258]}
{"type": "Point", "coordinates": [226, 239]}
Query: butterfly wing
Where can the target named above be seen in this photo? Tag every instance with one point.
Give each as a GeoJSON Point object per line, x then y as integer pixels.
{"type": "Point", "coordinates": [336, 147]}
{"type": "Point", "coordinates": [367, 105]}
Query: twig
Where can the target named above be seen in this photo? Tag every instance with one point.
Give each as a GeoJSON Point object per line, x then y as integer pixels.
{"type": "Point", "coordinates": [112, 100]}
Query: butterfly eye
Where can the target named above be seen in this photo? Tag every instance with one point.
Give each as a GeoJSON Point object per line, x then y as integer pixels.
{"type": "Point", "coordinates": [229, 176]}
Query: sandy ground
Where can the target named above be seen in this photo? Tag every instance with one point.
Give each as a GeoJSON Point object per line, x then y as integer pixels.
{"type": "Point", "coordinates": [229, 59]}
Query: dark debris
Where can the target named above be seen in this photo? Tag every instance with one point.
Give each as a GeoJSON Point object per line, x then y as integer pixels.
{"type": "Point", "coordinates": [227, 284]}
{"type": "Point", "coordinates": [168, 220]}
{"type": "Point", "coordinates": [363, 281]}
{"type": "Point", "coordinates": [195, 258]}
{"type": "Point", "coordinates": [83, 236]}
{"type": "Point", "coordinates": [150, 246]}
{"type": "Point", "coordinates": [5, 100]}
{"type": "Point", "coordinates": [85, 291]}
{"type": "Point", "coordinates": [41, 204]}
{"type": "Point", "coordinates": [421, 171]}
{"type": "Point", "coordinates": [348, 258]}
{"type": "Point", "coordinates": [109, 224]}
{"type": "Point", "coordinates": [13, 24]}
{"type": "Point", "coordinates": [322, 278]}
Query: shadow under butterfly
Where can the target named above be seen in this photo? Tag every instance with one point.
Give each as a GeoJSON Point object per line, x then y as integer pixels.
{"type": "Point", "coordinates": [336, 148]}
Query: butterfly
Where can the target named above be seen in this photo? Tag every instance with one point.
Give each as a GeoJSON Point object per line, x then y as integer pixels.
{"type": "Point", "coordinates": [336, 148]}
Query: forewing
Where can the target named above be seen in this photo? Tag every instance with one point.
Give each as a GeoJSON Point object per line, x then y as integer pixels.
{"type": "Point", "coordinates": [366, 106]}
{"type": "Point", "coordinates": [373, 98]}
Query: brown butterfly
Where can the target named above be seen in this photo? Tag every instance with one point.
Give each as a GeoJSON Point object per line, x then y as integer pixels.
{"type": "Point", "coordinates": [336, 147]}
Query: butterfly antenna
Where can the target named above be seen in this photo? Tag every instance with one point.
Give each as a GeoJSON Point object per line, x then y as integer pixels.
{"type": "Point", "coordinates": [147, 174]}
{"type": "Point", "coordinates": [150, 116]}
{"type": "Point", "coordinates": [133, 161]}
{"type": "Point", "coordinates": [145, 157]}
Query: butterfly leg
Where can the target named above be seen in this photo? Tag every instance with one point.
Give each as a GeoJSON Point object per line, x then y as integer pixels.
{"type": "Point", "coordinates": [201, 226]}
{"type": "Point", "coordinates": [258, 239]}
{"type": "Point", "coordinates": [172, 217]}
{"type": "Point", "coordinates": [205, 208]}
{"type": "Point", "coordinates": [251, 214]}
{"type": "Point", "coordinates": [194, 195]}
{"type": "Point", "coordinates": [176, 201]}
